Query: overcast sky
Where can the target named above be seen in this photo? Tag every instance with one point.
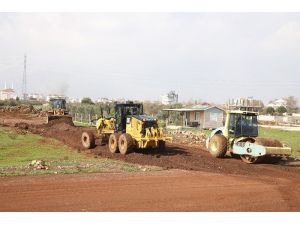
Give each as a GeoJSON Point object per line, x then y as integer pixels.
{"type": "Point", "coordinates": [208, 56]}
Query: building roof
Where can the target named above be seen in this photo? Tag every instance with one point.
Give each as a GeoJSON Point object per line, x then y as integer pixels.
{"type": "Point", "coordinates": [196, 108]}
{"type": "Point", "coordinates": [8, 90]}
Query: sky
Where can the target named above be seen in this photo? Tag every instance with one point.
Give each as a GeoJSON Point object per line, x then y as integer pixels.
{"type": "Point", "coordinates": [140, 56]}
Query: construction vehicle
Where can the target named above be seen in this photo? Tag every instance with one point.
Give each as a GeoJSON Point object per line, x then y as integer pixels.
{"type": "Point", "coordinates": [57, 110]}
{"type": "Point", "coordinates": [239, 137]}
{"type": "Point", "coordinates": [128, 129]}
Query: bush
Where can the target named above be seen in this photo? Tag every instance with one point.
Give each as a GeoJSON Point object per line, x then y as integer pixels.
{"type": "Point", "coordinates": [281, 110]}
{"type": "Point", "coordinates": [87, 101]}
{"type": "Point", "coordinates": [270, 110]}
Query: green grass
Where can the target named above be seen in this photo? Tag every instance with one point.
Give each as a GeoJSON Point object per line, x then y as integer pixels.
{"type": "Point", "coordinates": [290, 138]}
{"type": "Point", "coordinates": [18, 150]}
{"type": "Point", "coordinates": [79, 124]}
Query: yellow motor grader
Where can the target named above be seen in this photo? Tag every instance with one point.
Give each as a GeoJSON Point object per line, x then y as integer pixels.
{"type": "Point", "coordinates": [130, 128]}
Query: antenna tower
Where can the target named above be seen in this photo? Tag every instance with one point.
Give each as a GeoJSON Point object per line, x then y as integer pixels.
{"type": "Point", "coordinates": [24, 85]}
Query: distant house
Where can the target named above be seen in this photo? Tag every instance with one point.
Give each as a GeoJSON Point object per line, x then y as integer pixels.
{"type": "Point", "coordinates": [74, 100]}
{"type": "Point", "coordinates": [202, 116]}
{"type": "Point", "coordinates": [36, 96]}
{"type": "Point", "coordinates": [8, 93]}
{"type": "Point", "coordinates": [104, 100]}
{"type": "Point", "coordinates": [170, 98]}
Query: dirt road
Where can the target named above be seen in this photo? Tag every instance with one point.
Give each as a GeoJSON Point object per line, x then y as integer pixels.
{"type": "Point", "coordinates": [171, 190]}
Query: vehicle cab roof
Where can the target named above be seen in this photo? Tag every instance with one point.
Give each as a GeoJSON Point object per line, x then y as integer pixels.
{"type": "Point", "coordinates": [144, 118]}
{"type": "Point", "coordinates": [242, 112]}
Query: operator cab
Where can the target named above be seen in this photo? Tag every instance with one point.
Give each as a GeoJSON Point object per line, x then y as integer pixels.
{"type": "Point", "coordinates": [123, 110]}
{"type": "Point", "coordinates": [58, 103]}
{"type": "Point", "coordinates": [243, 124]}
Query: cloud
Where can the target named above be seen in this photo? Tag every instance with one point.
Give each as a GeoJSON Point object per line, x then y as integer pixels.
{"type": "Point", "coordinates": [98, 54]}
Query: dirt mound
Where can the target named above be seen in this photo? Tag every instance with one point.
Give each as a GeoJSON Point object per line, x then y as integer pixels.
{"type": "Point", "coordinates": [188, 137]}
{"type": "Point", "coordinates": [22, 125]}
{"type": "Point", "coordinates": [61, 120]}
{"type": "Point", "coordinates": [66, 133]}
{"type": "Point", "coordinates": [25, 109]}
{"type": "Point", "coordinates": [269, 142]}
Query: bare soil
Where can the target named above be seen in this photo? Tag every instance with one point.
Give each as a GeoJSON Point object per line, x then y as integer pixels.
{"type": "Point", "coordinates": [212, 184]}
{"type": "Point", "coordinates": [170, 190]}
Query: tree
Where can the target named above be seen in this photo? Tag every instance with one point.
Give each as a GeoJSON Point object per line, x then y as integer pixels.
{"type": "Point", "coordinates": [281, 110]}
{"type": "Point", "coordinates": [152, 108]}
{"type": "Point", "coordinates": [270, 110]}
{"type": "Point", "coordinates": [87, 101]}
{"type": "Point", "coordinates": [291, 104]}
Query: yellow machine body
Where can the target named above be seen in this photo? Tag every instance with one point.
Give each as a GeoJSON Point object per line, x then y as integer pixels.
{"type": "Point", "coordinates": [127, 130]}
{"type": "Point", "coordinates": [136, 127]}
{"type": "Point", "coordinates": [143, 136]}
{"type": "Point", "coordinates": [58, 112]}
{"type": "Point", "coordinates": [105, 126]}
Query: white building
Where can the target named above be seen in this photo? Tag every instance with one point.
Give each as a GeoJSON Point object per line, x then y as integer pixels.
{"type": "Point", "coordinates": [104, 100]}
{"type": "Point", "coordinates": [8, 93]}
{"type": "Point", "coordinates": [170, 98]}
{"type": "Point", "coordinates": [36, 96]}
{"type": "Point", "coordinates": [74, 100]}
{"type": "Point", "coordinates": [277, 103]}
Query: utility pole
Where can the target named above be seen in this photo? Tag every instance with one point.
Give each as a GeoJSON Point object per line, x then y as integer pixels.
{"type": "Point", "coordinates": [24, 85]}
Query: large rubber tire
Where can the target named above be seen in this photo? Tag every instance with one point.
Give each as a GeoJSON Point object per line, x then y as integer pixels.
{"type": "Point", "coordinates": [125, 144]}
{"type": "Point", "coordinates": [88, 139]}
{"type": "Point", "coordinates": [113, 143]}
{"type": "Point", "coordinates": [218, 146]}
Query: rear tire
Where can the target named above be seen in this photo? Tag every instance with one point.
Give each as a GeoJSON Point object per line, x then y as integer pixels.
{"type": "Point", "coordinates": [217, 146]}
{"type": "Point", "coordinates": [113, 143]}
{"type": "Point", "coordinates": [125, 144]}
{"type": "Point", "coordinates": [88, 139]}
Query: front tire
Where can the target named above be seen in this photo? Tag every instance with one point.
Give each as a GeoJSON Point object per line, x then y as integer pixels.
{"type": "Point", "coordinates": [113, 143]}
{"type": "Point", "coordinates": [125, 144]}
{"type": "Point", "coordinates": [217, 146]}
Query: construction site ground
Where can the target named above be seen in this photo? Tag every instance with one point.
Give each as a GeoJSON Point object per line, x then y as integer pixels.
{"type": "Point", "coordinates": [191, 180]}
